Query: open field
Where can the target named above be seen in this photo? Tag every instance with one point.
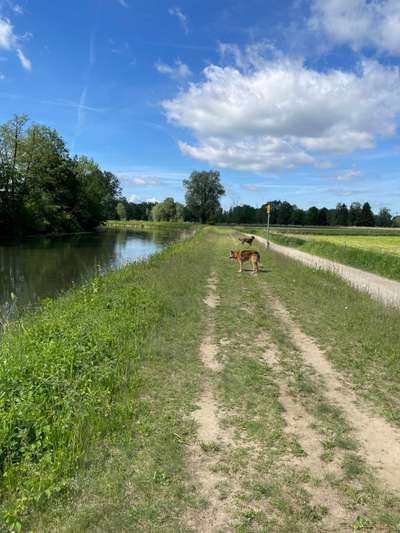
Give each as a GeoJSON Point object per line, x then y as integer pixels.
{"type": "Point", "coordinates": [377, 254]}
{"type": "Point", "coordinates": [382, 243]}
{"type": "Point", "coordinates": [179, 395]}
{"type": "Point", "coordinates": [338, 230]}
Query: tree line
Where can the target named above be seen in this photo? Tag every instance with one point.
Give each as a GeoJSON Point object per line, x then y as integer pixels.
{"type": "Point", "coordinates": [203, 192]}
{"type": "Point", "coordinates": [43, 189]}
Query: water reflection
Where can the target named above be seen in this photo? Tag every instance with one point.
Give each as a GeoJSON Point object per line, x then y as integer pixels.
{"type": "Point", "coordinates": [42, 267]}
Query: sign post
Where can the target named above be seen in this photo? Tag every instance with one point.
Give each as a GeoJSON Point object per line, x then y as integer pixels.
{"type": "Point", "coordinates": [268, 208]}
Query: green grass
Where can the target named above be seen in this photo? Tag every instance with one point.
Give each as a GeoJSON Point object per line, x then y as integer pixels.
{"type": "Point", "coordinates": [366, 256]}
{"type": "Point", "coordinates": [146, 224]}
{"type": "Point", "coordinates": [382, 243]}
{"type": "Point", "coordinates": [86, 387]}
{"type": "Point", "coordinates": [97, 391]}
{"type": "Point", "coordinates": [360, 337]}
{"type": "Point", "coordinates": [338, 230]}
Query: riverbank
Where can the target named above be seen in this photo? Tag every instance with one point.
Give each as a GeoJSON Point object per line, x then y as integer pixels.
{"type": "Point", "coordinates": [146, 224]}
{"type": "Point", "coordinates": [179, 395]}
{"type": "Point", "coordinates": [71, 375]}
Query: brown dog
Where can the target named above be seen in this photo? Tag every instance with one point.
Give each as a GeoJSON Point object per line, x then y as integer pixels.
{"type": "Point", "coordinates": [246, 255]}
{"type": "Point", "coordinates": [247, 240]}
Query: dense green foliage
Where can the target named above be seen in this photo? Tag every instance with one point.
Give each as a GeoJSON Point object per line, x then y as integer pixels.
{"type": "Point", "coordinates": [43, 189]}
{"type": "Point", "coordinates": [167, 211]}
{"type": "Point", "coordinates": [203, 191]}
{"type": "Point", "coordinates": [285, 214]}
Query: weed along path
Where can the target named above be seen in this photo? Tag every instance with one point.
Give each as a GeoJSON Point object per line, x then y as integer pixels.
{"type": "Point", "coordinates": [380, 288]}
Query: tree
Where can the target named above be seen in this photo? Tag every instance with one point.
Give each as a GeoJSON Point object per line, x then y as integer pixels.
{"type": "Point", "coordinates": [367, 216]}
{"type": "Point", "coordinates": [298, 217]}
{"type": "Point", "coordinates": [203, 191]}
{"type": "Point", "coordinates": [355, 214]}
{"type": "Point", "coordinates": [42, 189]}
{"type": "Point", "coordinates": [384, 218]}
{"type": "Point", "coordinates": [323, 217]}
{"type": "Point", "coordinates": [341, 215]}
{"type": "Point", "coordinates": [11, 179]}
{"type": "Point", "coordinates": [167, 211]}
{"type": "Point", "coordinates": [312, 216]}
{"type": "Point", "coordinates": [284, 213]}
{"type": "Point", "coordinates": [121, 211]}
{"type": "Point", "coordinates": [396, 221]}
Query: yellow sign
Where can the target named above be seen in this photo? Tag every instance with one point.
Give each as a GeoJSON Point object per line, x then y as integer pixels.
{"type": "Point", "coordinates": [269, 209]}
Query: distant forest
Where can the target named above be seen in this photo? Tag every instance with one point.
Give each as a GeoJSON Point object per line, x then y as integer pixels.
{"type": "Point", "coordinates": [282, 213]}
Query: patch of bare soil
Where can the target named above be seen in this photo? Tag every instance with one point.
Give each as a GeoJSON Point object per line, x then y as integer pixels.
{"type": "Point", "coordinates": [379, 441]}
{"type": "Point", "coordinates": [300, 424]}
{"type": "Point", "coordinates": [212, 441]}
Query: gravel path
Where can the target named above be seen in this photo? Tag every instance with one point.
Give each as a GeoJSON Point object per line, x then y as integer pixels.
{"type": "Point", "coordinates": [380, 288]}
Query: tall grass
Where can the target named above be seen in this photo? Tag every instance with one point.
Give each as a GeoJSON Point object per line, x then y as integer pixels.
{"type": "Point", "coordinates": [64, 370]}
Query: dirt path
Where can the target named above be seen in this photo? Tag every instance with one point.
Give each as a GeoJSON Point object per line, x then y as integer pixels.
{"type": "Point", "coordinates": [382, 289]}
{"type": "Point", "coordinates": [212, 439]}
{"type": "Point", "coordinates": [301, 424]}
{"type": "Point", "coordinates": [379, 441]}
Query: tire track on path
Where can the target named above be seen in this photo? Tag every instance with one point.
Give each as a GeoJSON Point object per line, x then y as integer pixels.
{"type": "Point", "coordinates": [379, 441]}
{"type": "Point", "coordinates": [301, 424]}
{"type": "Point", "coordinates": [212, 440]}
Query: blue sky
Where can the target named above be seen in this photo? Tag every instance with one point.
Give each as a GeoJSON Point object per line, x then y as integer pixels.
{"type": "Point", "coordinates": [288, 99]}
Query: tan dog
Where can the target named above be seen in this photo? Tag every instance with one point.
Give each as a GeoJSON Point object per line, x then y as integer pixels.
{"type": "Point", "coordinates": [246, 255]}
{"type": "Point", "coordinates": [247, 240]}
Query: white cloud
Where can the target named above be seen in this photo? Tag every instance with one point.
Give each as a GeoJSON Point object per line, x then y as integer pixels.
{"type": "Point", "coordinates": [253, 187]}
{"type": "Point", "coordinates": [17, 8]}
{"type": "Point", "coordinates": [359, 23]}
{"type": "Point", "coordinates": [2, 77]}
{"type": "Point", "coordinates": [133, 198]}
{"type": "Point", "coordinates": [7, 38]}
{"type": "Point", "coordinates": [348, 175]}
{"type": "Point", "coordinates": [178, 71]}
{"type": "Point", "coordinates": [152, 200]}
{"type": "Point", "coordinates": [25, 62]}
{"type": "Point", "coordinates": [123, 3]}
{"type": "Point", "coordinates": [341, 192]}
{"type": "Point", "coordinates": [177, 12]}
{"type": "Point", "coordinates": [281, 114]}
{"type": "Point", "coordinates": [10, 42]}
{"type": "Point", "coordinates": [146, 181]}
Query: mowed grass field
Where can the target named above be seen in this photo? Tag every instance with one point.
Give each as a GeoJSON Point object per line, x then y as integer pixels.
{"type": "Point", "coordinates": [172, 396]}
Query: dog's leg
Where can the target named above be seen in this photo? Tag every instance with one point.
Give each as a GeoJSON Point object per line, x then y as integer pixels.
{"type": "Point", "coordinates": [240, 266]}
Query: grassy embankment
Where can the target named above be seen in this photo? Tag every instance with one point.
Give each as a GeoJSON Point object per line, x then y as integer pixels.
{"type": "Point", "coordinates": [96, 378]}
{"type": "Point", "coordinates": [98, 389]}
{"type": "Point", "coordinates": [145, 224]}
{"type": "Point", "coordinates": [365, 251]}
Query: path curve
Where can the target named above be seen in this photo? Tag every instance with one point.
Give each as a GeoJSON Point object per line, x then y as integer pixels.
{"type": "Point", "coordinates": [380, 288]}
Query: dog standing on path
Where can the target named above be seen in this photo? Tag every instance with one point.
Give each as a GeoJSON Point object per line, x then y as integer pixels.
{"type": "Point", "coordinates": [247, 240]}
{"type": "Point", "coordinates": [246, 255]}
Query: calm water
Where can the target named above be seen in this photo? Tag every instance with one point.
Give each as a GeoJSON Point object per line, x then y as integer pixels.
{"type": "Point", "coordinates": [41, 267]}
